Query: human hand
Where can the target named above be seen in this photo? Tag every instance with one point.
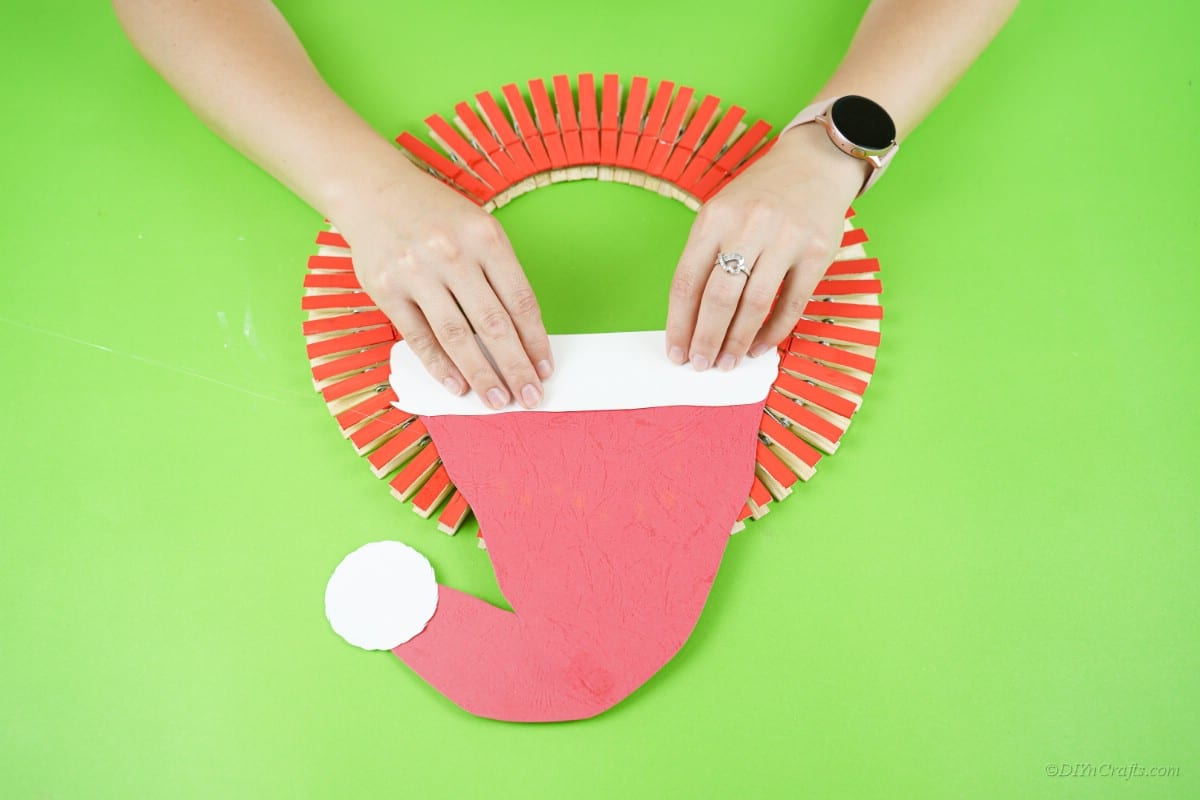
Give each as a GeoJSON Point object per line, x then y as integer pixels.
{"type": "Point", "coordinates": [439, 266]}
{"type": "Point", "coordinates": [785, 215]}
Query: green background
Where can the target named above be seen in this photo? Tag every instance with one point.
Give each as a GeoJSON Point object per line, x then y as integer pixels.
{"type": "Point", "coordinates": [996, 573]}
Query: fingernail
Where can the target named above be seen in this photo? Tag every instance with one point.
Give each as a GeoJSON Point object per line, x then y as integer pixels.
{"type": "Point", "coordinates": [544, 369]}
{"type": "Point", "coordinates": [496, 398]}
{"type": "Point", "coordinates": [726, 362]}
{"type": "Point", "coordinates": [677, 355]}
{"type": "Point", "coordinates": [531, 395]}
{"type": "Point", "coordinates": [699, 363]}
{"type": "Point", "coordinates": [759, 349]}
{"type": "Point", "coordinates": [453, 385]}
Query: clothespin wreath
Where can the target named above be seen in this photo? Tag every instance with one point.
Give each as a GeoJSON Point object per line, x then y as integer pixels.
{"type": "Point", "coordinates": [606, 531]}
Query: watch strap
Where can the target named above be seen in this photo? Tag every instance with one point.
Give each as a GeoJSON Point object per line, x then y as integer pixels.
{"type": "Point", "coordinates": [819, 111]}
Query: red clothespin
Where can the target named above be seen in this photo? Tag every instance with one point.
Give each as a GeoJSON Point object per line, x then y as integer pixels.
{"type": "Point", "coordinates": [589, 122]}
{"type": "Point", "coordinates": [818, 430]}
{"type": "Point", "coordinates": [654, 124]}
{"type": "Point", "coordinates": [330, 239]}
{"type": "Point", "coordinates": [457, 175]}
{"type": "Point", "coordinates": [711, 148]}
{"type": "Point", "coordinates": [568, 121]}
{"type": "Point", "coordinates": [854, 236]}
{"type": "Point", "coordinates": [830, 355]}
{"type": "Point", "coordinates": [454, 514]}
{"type": "Point", "coordinates": [671, 127]}
{"type": "Point", "coordinates": [452, 141]}
{"type": "Point", "coordinates": [355, 362]}
{"type": "Point", "coordinates": [524, 121]}
{"type": "Point", "coordinates": [431, 495]}
{"type": "Point", "coordinates": [503, 131]}
{"type": "Point", "coordinates": [853, 266]}
{"type": "Point", "coordinates": [547, 124]}
{"type": "Point", "coordinates": [691, 138]}
{"type": "Point", "coordinates": [728, 162]}
{"type": "Point", "coordinates": [351, 342]}
{"type": "Point", "coordinates": [809, 392]}
{"type": "Point", "coordinates": [610, 119]}
{"type": "Point", "coordinates": [823, 374]}
{"type": "Point", "coordinates": [398, 449]}
{"type": "Point", "coordinates": [415, 472]}
{"type": "Point", "coordinates": [344, 322]}
{"type": "Point", "coordinates": [492, 148]}
{"type": "Point", "coordinates": [822, 308]}
{"type": "Point", "coordinates": [831, 332]}
{"type": "Point", "coordinates": [331, 263]}
{"type": "Point", "coordinates": [367, 406]}
{"type": "Point", "coordinates": [791, 449]}
{"type": "Point", "coordinates": [631, 122]}
{"type": "Point", "coordinates": [773, 472]}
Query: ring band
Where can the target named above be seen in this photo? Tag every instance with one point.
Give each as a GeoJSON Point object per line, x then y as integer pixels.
{"type": "Point", "coordinates": [733, 263]}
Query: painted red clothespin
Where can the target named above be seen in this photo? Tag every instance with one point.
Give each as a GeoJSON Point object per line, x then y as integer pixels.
{"type": "Point", "coordinates": [691, 137]}
{"type": "Point", "coordinates": [589, 122]}
{"type": "Point", "coordinates": [524, 121]}
{"type": "Point", "coordinates": [568, 120]}
{"type": "Point", "coordinates": [455, 174]}
{"type": "Point", "coordinates": [654, 123]}
{"type": "Point", "coordinates": [854, 236]}
{"type": "Point", "coordinates": [832, 332]}
{"type": "Point", "coordinates": [814, 428]}
{"type": "Point", "coordinates": [669, 133]}
{"type": "Point", "coordinates": [799, 456]}
{"type": "Point", "coordinates": [728, 162]}
{"type": "Point", "coordinates": [829, 354]}
{"type": "Point", "coordinates": [330, 239]}
{"type": "Point", "coordinates": [351, 342]}
{"type": "Point", "coordinates": [711, 149]}
{"type": "Point", "coordinates": [773, 472]}
{"type": "Point", "coordinates": [366, 407]}
{"type": "Point", "coordinates": [454, 514]}
{"type": "Point", "coordinates": [503, 130]}
{"type": "Point", "coordinates": [631, 122]}
{"type": "Point", "coordinates": [340, 301]}
{"type": "Point", "coordinates": [479, 131]}
{"type": "Point", "coordinates": [398, 449]}
{"type": "Point", "coordinates": [610, 119]}
{"type": "Point", "coordinates": [451, 140]}
{"type": "Point", "coordinates": [370, 435]}
{"type": "Point", "coordinates": [809, 392]}
{"type": "Point", "coordinates": [433, 492]}
{"type": "Point", "coordinates": [822, 308]}
{"type": "Point", "coordinates": [547, 124]}
{"type": "Point", "coordinates": [822, 374]}
{"type": "Point", "coordinates": [853, 266]}
{"type": "Point", "coordinates": [415, 472]}
{"type": "Point", "coordinates": [344, 322]}
{"type": "Point", "coordinates": [344, 365]}
{"type": "Point", "coordinates": [330, 263]}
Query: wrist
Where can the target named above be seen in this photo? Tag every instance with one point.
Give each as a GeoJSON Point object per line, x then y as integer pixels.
{"type": "Point", "coordinates": [808, 149]}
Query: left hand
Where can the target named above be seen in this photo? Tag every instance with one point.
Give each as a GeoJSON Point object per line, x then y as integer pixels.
{"type": "Point", "coordinates": [785, 214]}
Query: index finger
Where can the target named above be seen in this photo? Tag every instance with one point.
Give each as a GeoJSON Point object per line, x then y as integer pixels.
{"type": "Point", "coordinates": [515, 293]}
{"type": "Point", "coordinates": [687, 286]}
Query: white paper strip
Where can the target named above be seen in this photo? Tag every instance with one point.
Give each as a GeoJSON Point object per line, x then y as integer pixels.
{"type": "Point", "coordinates": [598, 371]}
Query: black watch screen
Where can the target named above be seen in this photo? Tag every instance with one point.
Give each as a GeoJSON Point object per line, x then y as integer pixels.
{"type": "Point", "coordinates": [863, 122]}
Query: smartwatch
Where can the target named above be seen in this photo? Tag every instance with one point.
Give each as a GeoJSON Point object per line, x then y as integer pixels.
{"type": "Point", "coordinates": [858, 126]}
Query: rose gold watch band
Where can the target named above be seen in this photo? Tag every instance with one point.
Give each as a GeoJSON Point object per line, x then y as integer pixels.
{"type": "Point", "coordinates": [819, 112]}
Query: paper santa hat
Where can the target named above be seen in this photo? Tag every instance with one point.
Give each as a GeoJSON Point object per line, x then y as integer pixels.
{"type": "Point", "coordinates": [606, 512]}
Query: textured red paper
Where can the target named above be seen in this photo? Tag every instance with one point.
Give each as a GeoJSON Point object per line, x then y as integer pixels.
{"type": "Point", "coordinates": [605, 529]}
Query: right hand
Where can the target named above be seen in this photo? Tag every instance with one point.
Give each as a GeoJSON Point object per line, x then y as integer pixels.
{"type": "Point", "coordinates": [440, 267]}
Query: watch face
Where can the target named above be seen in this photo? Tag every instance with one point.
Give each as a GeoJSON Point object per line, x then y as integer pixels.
{"type": "Point", "coordinates": [863, 122]}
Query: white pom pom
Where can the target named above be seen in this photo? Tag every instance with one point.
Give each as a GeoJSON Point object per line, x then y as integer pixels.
{"type": "Point", "coordinates": [381, 595]}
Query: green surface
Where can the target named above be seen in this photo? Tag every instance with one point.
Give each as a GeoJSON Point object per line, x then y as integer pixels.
{"type": "Point", "coordinates": [996, 573]}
